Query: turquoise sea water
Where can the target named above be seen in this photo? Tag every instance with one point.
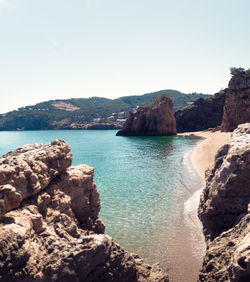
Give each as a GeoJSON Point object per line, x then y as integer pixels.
{"type": "Point", "coordinates": [142, 182]}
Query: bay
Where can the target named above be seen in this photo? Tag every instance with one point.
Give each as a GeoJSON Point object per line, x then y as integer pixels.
{"type": "Point", "coordinates": [143, 183]}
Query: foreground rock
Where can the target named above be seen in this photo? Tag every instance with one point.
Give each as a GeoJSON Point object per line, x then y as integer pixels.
{"type": "Point", "coordinates": [30, 169]}
{"type": "Point", "coordinates": [237, 104]}
{"type": "Point", "coordinates": [224, 211]}
{"type": "Point", "coordinates": [202, 114]}
{"type": "Point", "coordinates": [228, 256]}
{"type": "Point", "coordinates": [156, 119]}
{"type": "Point", "coordinates": [50, 230]}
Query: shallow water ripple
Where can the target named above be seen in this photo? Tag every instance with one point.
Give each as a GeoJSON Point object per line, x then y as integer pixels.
{"type": "Point", "coordinates": [141, 180]}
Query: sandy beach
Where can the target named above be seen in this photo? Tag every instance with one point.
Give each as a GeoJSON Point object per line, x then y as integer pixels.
{"type": "Point", "coordinates": [204, 153]}
{"type": "Point", "coordinates": [185, 253]}
{"type": "Point", "coordinates": [201, 158]}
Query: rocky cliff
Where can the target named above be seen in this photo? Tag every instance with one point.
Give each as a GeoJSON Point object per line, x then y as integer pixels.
{"type": "Point", "coordinates": [156, 119]}
{"type": "Point", "coordinates": [202, 114]}
{"type": "Point", "coordinates": [225, 211]}
{"type": "Point", "coordinates": [49, 225]}
{"type": "Point", "coordinates": [237, 104]}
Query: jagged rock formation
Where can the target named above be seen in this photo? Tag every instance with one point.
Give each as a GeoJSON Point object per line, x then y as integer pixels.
{"type": "Point", "coordinates": [156, 119]}
{"type": "Point", "coordinates": [227, 194]}
{"type": "Point", "coordinates": [30, 169]}
{"type": "Point", "coordinates": [202, 114]}
{"type": "Point", "coordinates": [237, 104]}
{"type": "Point", "coordinates": [224, 211]}
{"type": "Point", "coordinates": [49, 227]}
{"type": "Point", "coordinates": [228, 256]}
{"type": "Point", "coordinates": [228, 108]}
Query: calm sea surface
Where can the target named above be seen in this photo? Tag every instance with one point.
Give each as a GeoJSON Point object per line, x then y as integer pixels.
{"type": "Point", "coordinates": [143, 182]}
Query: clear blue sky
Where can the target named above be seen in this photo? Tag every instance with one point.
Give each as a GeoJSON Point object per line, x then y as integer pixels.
{"type": "Point", "coordinates": [52, 49]}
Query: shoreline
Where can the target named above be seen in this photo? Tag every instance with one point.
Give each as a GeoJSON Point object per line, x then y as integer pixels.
{"type": "Point", "coordinates": [203, 154]}
{"type": "Point", "coordinates": [200, 159]}
{"type": "Point", "coordinates": [183, 255]}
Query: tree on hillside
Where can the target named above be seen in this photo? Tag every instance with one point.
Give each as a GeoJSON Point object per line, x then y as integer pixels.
{"type": "Point", "coordinates": [235, 71]}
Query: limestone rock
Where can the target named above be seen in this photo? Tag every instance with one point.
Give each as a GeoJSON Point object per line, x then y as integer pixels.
{"type": "Point", "coordinates": [237, 104]}
{"type": "Point", "coordinates": [156, 119]}
{"type": "Point", "coordinates": [29, 169]}
{"type": "Point", "coordinates": [228, 255]}
{"type": "Point", "coordinates": [202, 114]}
{"type": "Point", "coordinates": [240, 80]}
{"type": "Point", "coordinates": [9, 198]}
{"type": "Point", "coordinates": [226, 195]}
{"type": "Point", "coordinates": [224, 211]}
{"type": "Point", "coordinates": [55, 233]}
{"type": "Point", "coordinates": [75, 192]}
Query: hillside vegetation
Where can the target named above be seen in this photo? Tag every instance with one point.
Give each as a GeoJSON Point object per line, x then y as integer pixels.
{"type": "Point", "coordinates": [62, 114]}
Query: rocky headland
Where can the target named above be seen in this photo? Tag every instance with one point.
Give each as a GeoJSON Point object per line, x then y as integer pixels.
{"type": "Point", "coordinates": [204, 113]}
{"type": "Point", "coordinates": [224, 110]}
{"type": "Point", "coordinates": [49, 225]}
{"type": "Point", "coordinates": [156, 119]}
{"type": "Point", "coordinates": [237, 103]}
{"type": "Point", "coordinates": [224, 211]}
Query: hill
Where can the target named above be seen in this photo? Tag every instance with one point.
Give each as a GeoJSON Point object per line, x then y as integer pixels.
{"type": "Point", "coordinates": [76, 112]}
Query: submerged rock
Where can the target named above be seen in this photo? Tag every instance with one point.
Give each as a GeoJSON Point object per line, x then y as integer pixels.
{"type": "Point", "coordinates": [50, 230]}
{"type": "Point", "coordinates": [224, 211]}
{"type": "Point", "coordinates": [237, 104]}
{"type": "Point", "coordinates": [156, 119]}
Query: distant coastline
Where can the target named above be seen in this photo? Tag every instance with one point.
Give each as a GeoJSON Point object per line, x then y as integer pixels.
{"type": "Point", "coordinates": [83, 126]}
{"type": "Point", "coordinates": [86, 113]}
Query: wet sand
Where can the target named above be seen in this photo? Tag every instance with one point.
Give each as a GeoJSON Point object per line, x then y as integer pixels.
{"type": "Point", "coordinates": [185, 250]}
{"type": "Point", "coordinates": [199, 160]}
{"type": "Point", "coordinates": [181, 248]}
{"type": "Point", "coordinates": [204, 153]}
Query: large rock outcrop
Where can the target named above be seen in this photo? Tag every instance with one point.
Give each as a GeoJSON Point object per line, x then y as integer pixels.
{"type": "Point", "coordinates": [202, 114]}
{"type": "Point", "coordinates": [156, 119]}
{"type": "Point", "coordinates": [237, 104]}
{"type": "Point", "coordinates": [225, 211]}
{"type": "Point", "coordinates": [228, 255]}
{"type": "Point", "coordinates": [30, 169]}
{"type": "Point", "coordinates": [49, 227]}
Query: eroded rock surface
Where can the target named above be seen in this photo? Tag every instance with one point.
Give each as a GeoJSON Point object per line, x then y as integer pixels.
{"type": "Point", "coordinates": [227, 194]}
{"type": "Point", "coordinates": [156, 119]}
{"type": "Point", "coordinates": [224, 211]}
{"type": "Point", "coordinates": [237, 103]}
{"type": "Point", "coordinates": [202, 114]}
{"type": "Point", "coordinates": [51, 231]}
{"type": "Point", "coordinates": [29, 169]}
{"type": "Point", "coordinates": [228, 255]}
